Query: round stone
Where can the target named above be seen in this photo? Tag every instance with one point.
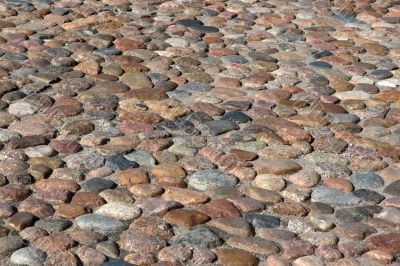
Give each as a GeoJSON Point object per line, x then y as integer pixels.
{"type": "Point", "coordinates": [209, 179]}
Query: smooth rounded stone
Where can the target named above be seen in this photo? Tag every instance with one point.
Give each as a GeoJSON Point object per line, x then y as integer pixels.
{"type": "Point", "coordinates": [289, 208]}
{"type": "Point", "coordinates": [137, 241]}
{"type": "Point", "coordinates": [84, 161]}
{"type": "Point", "coordinates": [236, 116]}
{"type": "Point", "coordinates": [219, 208]}
{"type": "Point", "coordinates": [195, 163]}
{"type": "Point", "coordinates": [168, 169]}
{"type": "Point", "coordinates": [304, 178]}
{"type": "Point", "coordinates": [199, 236]}
{"type": "Point", "coordinates": [391, 172]}
{"type": "Point", "coordinates": [53, 224]}
{"type": "Point", "coordinates": [22, 108]}
{"type": "Point", "coordinates": [232, 226]}
{"type": "Point", "coordinates": [366, 180]}
{"type": "Point", "coordinates": [28, 256]}
{"type": "Point", "coordinates": [211, 179]}
{"type": "Point", "coordinates": [294, 249]}
{"type": "Point", "coordinates": [245, 204]}
{"type": "Point", "coordinates": [223, 192]}
{"type": "Point", "coordinates": [119, 211]}
{"type": "Point", "coordinates": [320, 238]}
{"type": "Point", "coordinates": [368, 195]}
{"type": "Point", "coordinates": [40, 151]}
{"type": "Point", "coordinates": [320, 221]}
{"type": "Point", "coordinates": [354, 231]}
{"type": "Point", "coordinates": [254, 244]}
{"type": "Point", "coordinates": [263, 195]}
{"type": "Point", "coordinates": [7, 135]}
{"type": "Point", "coordinates": [380, 256]}
{"type": "Point", "coordinates": [177, 42]}
{"type": "Point", "coordinates": [90, 256]}
{"type": "Point", "coordinates": [333, 196]}
{"type": "Point", "coordinates": [99, 223]}
{"type": "Point", "coordinates": [71, 210]}
{"type": "Point", "coordinates": [331, 170]}
{"type": "Point", "coordinates": [251, 146]}
{"type": "Point", "coordinates": [338, 183]}
{"type": "Point", "coordinates": [165, 156]}
{"type": "Point", "coordinates": [182, 150]}
{"type": "Point", "coordinates": [276, 235]}
{"type": "Point", "coordinates": [218, 127]}
{"type": "Point", "coordinates": [393, 188]}
{"type": "Point", "coordinates": [270, 182]}
{"type": "Point", "coordinates": [155, 206]}
{"type": "Point", "coordinates": [329, 144]}
{"type": "Point", "coordinates": [329, 253]}
{"type": "Point", "coordinates": [132, 176]}
{"type": "Point", "coordinates": [86, 237]}
{"type": "Point", "coordinates": [32, 233]}
{"type": "Point", "coordinates": [308, 260]}
{"type": "Point", "coordinates": [185, 196]}
{"type": "Point", "coordinates": [9, 244]}
{"type": "Point", "coordinates": [21, 220]}
{"type": "Point", "coordinates": [353, 95]}
{"type": "Point", "coordinates": [389, 242]}
{"type": "Point", "coordinates": [97, 185]}
{"type": "Point", "coordinates": [352, 249]}
{"type": "Point", "coordinates": [276, 166]}
{"type": "Point", "coordinates": [321, 64]}
{"type": "Point", "coordinates": [343, 118]}
{"type": "Point", "coordinates": [13, 192]}
{"type": "Point", "coordinates": [279, 152]}
{"type": "Point", "coordinates": [176, 254]}
{"type": "Point", "coordinates": [299, 226]}
{"type": "Point", "coordinates": [355, 214]}
{"type": "Point", "coordinates": [117, 262]}
{"type": "Point", "coordinates": [100, 172]}
{"type": "Point", "coordinates": [185, 218]}
{"type": "Point", "coordinates": [262, 220]}
{"type": "Point", "coordinates": [391, 215]}
{"type": "Point", "coordinates": [142, 158]}
{"type": "Point", "coordinates": [119, 162]}
{"type": "Point", "coordinates": [380, 74]}
{"type": "Point", "coordinates": [118, 196]}
{"type": "Point", "coordinates": [232, 256]}
{"type": "Point", "coordinates": [108, 248]}
{"type": "Point", "coordinates": [7, 210]}
{"type": "Point", "coordinates": [62, 257]}
{"type": "Point", "coordinates": [146, 190]}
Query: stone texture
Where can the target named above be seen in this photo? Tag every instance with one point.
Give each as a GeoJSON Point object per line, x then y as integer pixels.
{"type": "Point", "coordinates": [199, 132]}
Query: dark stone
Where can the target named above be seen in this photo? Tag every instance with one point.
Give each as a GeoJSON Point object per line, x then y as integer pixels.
{"type": "Point", "coordinates": [262, 220]}
{"type": "Point", "coordinates": [218, 127]}
{"type": "Point", "coordinates": [198, 235]}
{"type": "Point", "coordinates": [237, 105]}
{"type": "Point", "coordinates": [322, 54]}
{"type": "Point", "coordinates": [117, 262]}
{"type": "Point", "coordinates": [53, 224]}
{"type": "Point", "coordinates": [321, 64]}
{"type": "Point", "coordinates": [322, 208]}
{"type": "Point", "coordinates": [188, 22]}
{"type": "Point", "coordinates": [119, 162]}
{"type": "Point", "coordinates": [393, 188]}
{"type": "Point", "coordinates": [381, 74]}
{"type": "Point", "coordinates": [204, 29]}
{"type": "Point", "coordinates": [369, 195]}
{"type": "Point", "coordinates": [357, 214]}
{"type": "Point", "coordinates": [97, 185]}
{"type": "Point", "coordinates": [236, 116]}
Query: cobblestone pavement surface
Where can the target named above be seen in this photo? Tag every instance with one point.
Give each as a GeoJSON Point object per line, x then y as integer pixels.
{"type": "Point", "coordinates": [197, 132]}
